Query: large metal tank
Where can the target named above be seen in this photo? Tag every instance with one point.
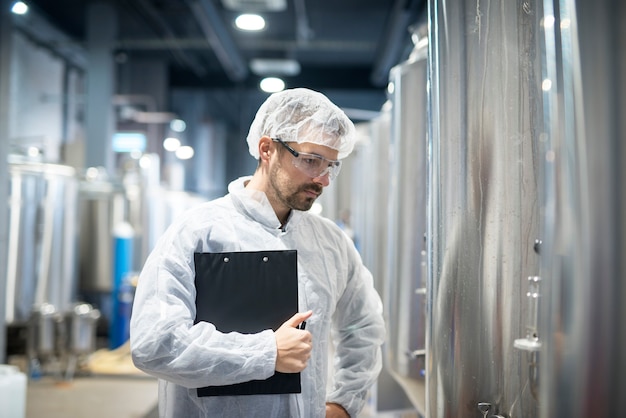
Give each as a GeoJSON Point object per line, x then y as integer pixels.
{"type": "Point", "coordinates": [106, 202]}
{"type": "Point", "coordinates": [369, 193]}
{"type": "Point", "coordinates": [484, 215]}
{"type": "Point", "coordinates": [102, 206]}
{"type": "Point", "coordinates": [583, 317]}
{"type": "Point", "coordinates": [41, 266]}
{"type": "Point", "coordinates": [405, 291]}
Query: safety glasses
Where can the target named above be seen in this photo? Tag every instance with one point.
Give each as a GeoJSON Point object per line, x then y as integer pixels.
{"type": "Point", "coordinates": [311, 164]}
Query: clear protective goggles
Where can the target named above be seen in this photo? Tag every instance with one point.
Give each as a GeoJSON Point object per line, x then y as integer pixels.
{"type": "Point", "coordinates": [312, 165]}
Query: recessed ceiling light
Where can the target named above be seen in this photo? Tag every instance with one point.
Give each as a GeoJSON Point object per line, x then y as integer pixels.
{"type": "Point", "coordinates": [178, 125]}
{"type": "Point", "coordinates": [184, 153]}
{"type": "Point", "coordinates": [272, 66]}
{"type": "Point", "coordinates": [251, 22]}
{"type": "Point", "coordinates": [272, 84]}
{"type": "Point", "coordinates": [171, 144]}
{"type": "Point", "coordinates": [19, 8]}
{"type": "Point", "coordinates": [258, 5]}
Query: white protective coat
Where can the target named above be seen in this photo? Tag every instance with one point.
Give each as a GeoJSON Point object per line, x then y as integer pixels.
{"type": "Point", "coordinates": [333, 283]}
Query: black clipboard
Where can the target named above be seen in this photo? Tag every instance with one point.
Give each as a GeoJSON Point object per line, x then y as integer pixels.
{"type": "Point", "coordinates": [248, 292]}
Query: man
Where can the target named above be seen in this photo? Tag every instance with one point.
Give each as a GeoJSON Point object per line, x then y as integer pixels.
{"type": "Point", "coordinates": [298, 137]}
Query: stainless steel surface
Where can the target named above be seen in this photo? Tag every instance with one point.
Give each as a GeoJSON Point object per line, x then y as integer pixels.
{"type": "Point", "coordinates": [583, 363]}
{"type": "Point", "coordinates": [42, 330]}
{"type": "Point", "coordinates": [405, 300]}
{"type": "Point", "coordinates": [102, 205]}
{"type": "Point", "coordinates": [81, 323]}
{"type": "Point", "coordinates": [366, 181]}
{"type": "Point", "coordinates": [369, 195]}
{"type": "Point", "coordinates": [163, 207]}
{"type": "Point", "coordinates": [388, 187]}
{"type": "Point", "coordinates": [6, 47]}
{"type": "Point", "coordinates": [105, 202]}
{"type": "Point", "coordinates": [41, 264]}
{"type": "Point", "coordinates": [485, 113]}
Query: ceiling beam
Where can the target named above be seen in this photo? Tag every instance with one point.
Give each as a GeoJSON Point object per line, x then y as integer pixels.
{"type": "Point", "coordinates": [219, 38]}
{"type": "Point", "coordinates": [199, 44]}
{"type": "Point", "coordinates": [169, 37]}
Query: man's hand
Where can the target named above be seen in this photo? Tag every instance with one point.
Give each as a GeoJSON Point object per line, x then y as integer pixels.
{"type": "Point", "coordinates": [293, 345]}
{"type": "Point", "coordinates": [334, 410]}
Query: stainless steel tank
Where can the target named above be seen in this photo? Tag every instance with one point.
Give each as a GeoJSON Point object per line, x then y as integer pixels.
{"type": "Point", "coordinates": [102, 205]}
{"type": "Point", "coordinates": [41, 266]}
{"type": "Point", "coordinates": [367, 187]}
{"type": "Point", "coordinates": [583, 317]}
{"type": "Point", "coordinates": [485, 106]}
{"type": "Point", "coordinates": [405, 281]}
{"type": "Point", "coordinates": [105, 202]}
{"type": "Point", "coordinates": [42, 331]}
{"type": "Point", "coordinates": [81, 328]}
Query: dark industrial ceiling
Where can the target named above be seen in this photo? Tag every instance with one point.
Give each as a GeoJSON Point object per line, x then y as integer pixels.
{"type": "Point", "coordinates": [347, 44]}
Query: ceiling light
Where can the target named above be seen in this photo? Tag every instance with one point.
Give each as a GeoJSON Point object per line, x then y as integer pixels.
{"type": "Point", "coordinates": [178, 125]}
{"type": "Point", "coordinates": [269, 5]}
{"type": "Point", "coordinates": [171, 144]}
{"type": "Point", "coordinates": [250, 22]}
{"type": "Point", "coordinates": [272, 84]}
{"type": "Point", "coordinates": [267, 66]}
{"type": "Point", "coordinates": [145, 162]}
{"type": "Point", "coordinates": [185, 152]}
{"type": "Point", "coordinates": [19, 8]}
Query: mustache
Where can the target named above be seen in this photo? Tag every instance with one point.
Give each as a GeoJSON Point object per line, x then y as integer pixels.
{"type": "Point", "coordinates": [312, 187]}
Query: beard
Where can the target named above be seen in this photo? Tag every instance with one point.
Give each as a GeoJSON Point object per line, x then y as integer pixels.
{"type": "Point", "coordinates": [290, 194]}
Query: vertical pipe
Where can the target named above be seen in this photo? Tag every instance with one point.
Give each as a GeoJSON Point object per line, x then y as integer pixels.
{"type": "Point", "coordinates": [100, 121]}
{"type": "Point", "coordinates": [6, 28]}
{"type": "Point", "coordinates": [123, 234]}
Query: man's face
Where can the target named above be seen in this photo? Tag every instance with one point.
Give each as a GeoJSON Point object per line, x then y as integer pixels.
{"type": "Point", "coordinates": [290, 186]}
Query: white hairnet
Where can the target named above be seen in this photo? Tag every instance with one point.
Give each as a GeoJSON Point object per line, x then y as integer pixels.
{"type": "Point", "coordinates": [302, 115]}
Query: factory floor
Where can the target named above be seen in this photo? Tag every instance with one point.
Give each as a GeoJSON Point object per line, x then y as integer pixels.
{"type": "Point", "coordinates": [129, 397]}
{"type": "Point", "coordinates": [108, 385]}
{"type": "Point", "coordinates": [92, 397]}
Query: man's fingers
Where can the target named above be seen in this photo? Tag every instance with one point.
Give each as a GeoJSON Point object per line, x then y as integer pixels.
{"type": "Point", "coordinates": [298, 318]}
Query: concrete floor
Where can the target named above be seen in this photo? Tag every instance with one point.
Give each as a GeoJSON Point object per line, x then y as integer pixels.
{"type": "Point", "coordinates": [92, 397]}
{"type": "Point", "coordinates": [115, 388]}
{"type": "Point", "coordinates": [123, 397]}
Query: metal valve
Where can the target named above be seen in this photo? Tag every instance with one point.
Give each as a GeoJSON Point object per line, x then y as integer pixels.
{"type": "Point", "coordinates": [531, 341]}
{"type": "Point", "coordinates": [416, 354]}
{"type": "Point", "coordinates": [484, 408]}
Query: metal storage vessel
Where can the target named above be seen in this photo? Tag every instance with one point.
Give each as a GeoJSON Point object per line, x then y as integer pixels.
{"type": "Point", "coordinates": [484, 216]}
{"type": "Point", "coordinates": [102, 206]}
{"type": "Point", "coordinates": [405, 281]}
{"type": "Point", "coordinates": [41, 263]}
{"type": "Point", "coordinates": [583, 317]}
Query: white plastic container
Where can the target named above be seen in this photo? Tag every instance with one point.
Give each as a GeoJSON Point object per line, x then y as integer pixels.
{"type": "Point", "coordinates": [12, 392]}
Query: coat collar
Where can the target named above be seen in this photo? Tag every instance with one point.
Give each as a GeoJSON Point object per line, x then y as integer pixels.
{"type": "Point", "coordinates": [254, 204]}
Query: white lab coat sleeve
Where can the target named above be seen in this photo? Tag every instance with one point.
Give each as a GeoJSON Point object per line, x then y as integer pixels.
{"type": "Point", "coordinates": [164, 340]}
{"type": "Point", "coordinates": [358, 332]}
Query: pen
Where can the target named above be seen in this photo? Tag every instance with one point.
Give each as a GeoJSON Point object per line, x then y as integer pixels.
{"type": "Point", "coordinates": [303, 324]}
